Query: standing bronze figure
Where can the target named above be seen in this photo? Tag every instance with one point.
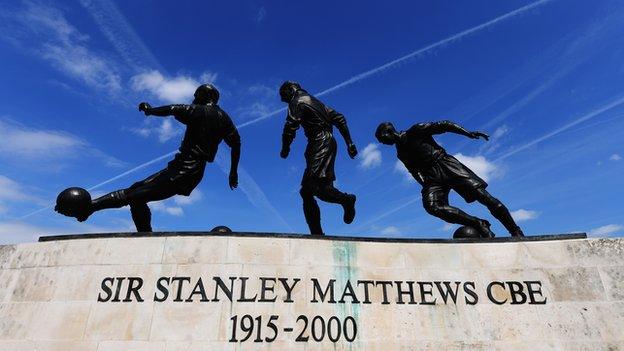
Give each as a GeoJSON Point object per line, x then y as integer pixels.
{"type": "Point", "coordinates": [439, 173]}
{"type": "Point", "coordinates": [206, 126]}
{"type": "Point", "coordinates": [318, 121]}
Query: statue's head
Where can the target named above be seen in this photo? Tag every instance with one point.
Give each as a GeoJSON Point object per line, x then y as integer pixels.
{"type": "Point", "coordinates": [206, 93]}
{"type": "Point", "coordinates": [288, 90]}
{"type": "Point", "coordinates": [386, 133]}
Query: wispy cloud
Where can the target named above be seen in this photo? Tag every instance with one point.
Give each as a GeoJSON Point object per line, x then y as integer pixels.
{"type": "Point", "coordinates": [25, 144]}
{"type": "Point", "coordinates": [11, 191]}
{"type": "Point", "coordinates": [261, 14]}
{"type": "Point", "coordinates": [390, 231]}
{"type": "Point", "coordinates": [195, 197]}
{"type": "Point", "coordinates": [259, 100]}
{"type": "Point", "coordinates": [163, 131]}
{"type": "Point", "coordinates": [174, 206]}
{"type": "Point", "coordinates": [606, 230]}
{"type": "Point", "coordinates": [120, 34]}
{"type": "Point", "coordinates": [45, 31]}
{"type": "Point", "coordinates": [448, 227]}
{"type": "Point", "coordinates": [615, 157]}
{"type": "Point", "coordinates": [370, 156]}
{"type": "Point", "coordinates": [524, 215]}
{"type": "Point", "coordinates": [161, 206]}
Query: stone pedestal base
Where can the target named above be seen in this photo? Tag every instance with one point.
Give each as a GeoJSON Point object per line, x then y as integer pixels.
{"type": "Point", "coordinates": [209, 292]}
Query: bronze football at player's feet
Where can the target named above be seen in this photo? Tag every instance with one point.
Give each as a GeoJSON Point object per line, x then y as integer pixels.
{"type": "Point", "coordinates": [74, 202]}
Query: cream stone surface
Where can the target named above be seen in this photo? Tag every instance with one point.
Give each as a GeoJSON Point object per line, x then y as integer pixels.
{"type": "Point", "coordinates": [49, 294]}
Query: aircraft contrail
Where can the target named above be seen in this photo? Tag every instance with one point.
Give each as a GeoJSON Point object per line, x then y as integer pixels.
{"type": "Point", "coordinates": [349, 81]}
{"type": "Point", "coordinates": [115, 27]}
{"type": "Point", "coordinates": [581, 119]}
{"type": "Point", "coordinates": [413, 54]}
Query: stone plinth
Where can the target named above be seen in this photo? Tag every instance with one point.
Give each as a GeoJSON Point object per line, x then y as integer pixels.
{"type": "Point", "coordinates": [161, 292]}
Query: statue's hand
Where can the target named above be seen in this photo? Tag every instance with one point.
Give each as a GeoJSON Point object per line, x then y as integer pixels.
{"type": "Point", "coordinates": [477, 135]}
{"type": "Point", "coordinates": [352, 150]}
{"type": "Point", "coordinates": [285, 151]}
{"type": "Point", "coordinates": [233, 180]}
{"type": "Point", "coordinates": [144, 107]}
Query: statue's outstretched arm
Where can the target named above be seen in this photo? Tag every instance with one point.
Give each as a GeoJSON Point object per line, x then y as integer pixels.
{"type": "Point", "coordinates": [179, 111]}
{"type": "Point", "coordinates": [450, 127]}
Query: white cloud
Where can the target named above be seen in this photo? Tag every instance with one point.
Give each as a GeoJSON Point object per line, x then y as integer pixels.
{"type": "Point", "coordinates": [46, 32]}
{"type": "Point", "coordinates": [167, 131]}
{"type": "Point", "coordinates": [161, 206]}
{"type": "Point", "coordinates": [447, 227]}
{"type": "Point", "coordinates": [390, 231]}
{"type": "Point", "coordinates": [143, 131]}
{"type": "Point", "coordinates": [195, 196]}
{"type": "Point", "coordinates": [24, 144]}
{"type": "Point", "coordinates": [14, 232]}
{"type": "Point", "coordinates": [263, 91]}
{"type": "Point", "coordinates": [208, 77]}
{"type": "Point", "coordinates": [164, 131]}
{"type": "Point", "coordinates": [173, 206]}
{"type": "Point", "coordinates": [615, 157]}
{"type": "Point", "coordinates": [18, 232]}
{"type": "Point", "coordinates": [175, 211]}
{"type": "Point", "coordinates": [606, 230]}
{"type": "Point", "coordinates": [370, 157]}
{"type": "Point", "coordinates": [400, 168]}
{"type": "Point", "coordinates": [260, 101]}
{"type": "Point", "coordinates": [495, 142]}
{"type": "Point", "coordinates": [480, 165]}
{"type": "Point", "coordinates": [172, 90]}
{"type": "Point", "coordinates": [177, 89]}
{"type": "Point", "coordinates": [256, 110]}
{"type": "Point", "coordinates": [524, 215]}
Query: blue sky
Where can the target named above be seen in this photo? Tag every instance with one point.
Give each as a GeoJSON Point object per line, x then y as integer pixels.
{"type": "Point", "coordinates": [543, 78]}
